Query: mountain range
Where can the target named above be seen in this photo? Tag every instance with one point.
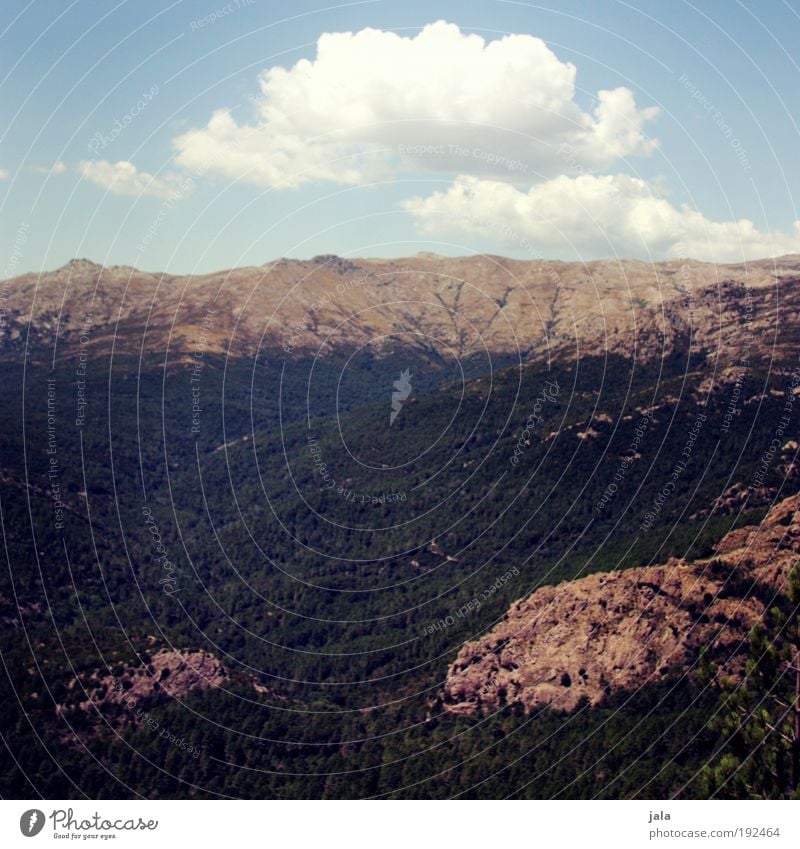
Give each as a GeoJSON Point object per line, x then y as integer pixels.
{"type": "Point", "coordinates": [431, 526]}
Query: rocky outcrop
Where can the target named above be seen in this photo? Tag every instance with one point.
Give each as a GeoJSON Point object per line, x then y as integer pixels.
{"type": "Point", "coordinates": [766, 551]}
{"type": "Point", "coordinates": [170, 674]}
{"type": "Point", "coordinates": [621, 630]}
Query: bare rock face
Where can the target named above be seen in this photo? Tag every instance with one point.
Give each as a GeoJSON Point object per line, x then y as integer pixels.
{"type": "Point", "coordinates": [767, 550]}
{"type": "Point", "coordinates": [606, 631]}
{"type": "Point", "coordinates": [621, 630]}
{"type": "Point", "coordinates": [169, 674]}
{"type": "Point", "coordinates": [460, 304]}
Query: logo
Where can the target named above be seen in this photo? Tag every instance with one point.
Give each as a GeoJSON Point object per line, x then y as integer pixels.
{"type": "Point", "coordinates": [31, 822]}
{"type": "Point", "coordinates": [402, 389]}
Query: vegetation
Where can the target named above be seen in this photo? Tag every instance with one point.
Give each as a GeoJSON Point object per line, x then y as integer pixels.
{"type": "Point", "coordinates": [325, 602]}
{"type": "Point", "coordinates": [760, 715]}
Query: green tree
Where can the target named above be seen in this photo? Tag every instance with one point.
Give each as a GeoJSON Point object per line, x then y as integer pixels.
{"type": "Point", "coordinates": [760, 721]}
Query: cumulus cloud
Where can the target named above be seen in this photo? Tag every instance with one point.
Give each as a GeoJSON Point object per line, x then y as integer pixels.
{"type": "Point", "coordinates": [532, 167]}
{"type": "Point", "coordinates": [123, 178]}
{"type": "Point", "coordinates": [594, 216]}
{"type": "Point", "coordinates": [373, 101]}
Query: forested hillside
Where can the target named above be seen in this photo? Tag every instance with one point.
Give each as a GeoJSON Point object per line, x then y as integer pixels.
{"type": "Point", "coordinates": [324, 562]}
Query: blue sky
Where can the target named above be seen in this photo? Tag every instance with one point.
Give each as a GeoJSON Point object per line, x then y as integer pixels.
{"type": "Point", "coordinates": [109, 150]}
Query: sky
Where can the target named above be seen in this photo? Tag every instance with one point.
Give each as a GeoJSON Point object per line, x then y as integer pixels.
{"type": "Point", "coordinates": [194, 136]}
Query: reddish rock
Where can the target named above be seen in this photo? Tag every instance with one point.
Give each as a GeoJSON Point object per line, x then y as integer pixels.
{"type": "Point", "coordinates": [621, 630]}
{"type": "Point", "coordinates": [169, 674]}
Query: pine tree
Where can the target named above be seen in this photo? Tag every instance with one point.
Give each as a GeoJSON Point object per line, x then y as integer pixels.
{"type": "Point", "coordinates": [760, 722]}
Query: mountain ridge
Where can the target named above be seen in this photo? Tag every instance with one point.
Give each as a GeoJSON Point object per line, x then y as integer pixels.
{"type": "Point", "coordinates": [454, 307]}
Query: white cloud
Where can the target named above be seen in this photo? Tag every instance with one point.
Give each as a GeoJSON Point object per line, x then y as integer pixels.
{"type": "Point", "coordinates": [373, 101]}
{"type": "Point", "coordinates": [56, 168]}
{"type": "Point", "coordinates": [592, 216]}
{"type": "Point", "coordinates": [4, 175]}
{"type": "Point", "coordinates": [123, 178]}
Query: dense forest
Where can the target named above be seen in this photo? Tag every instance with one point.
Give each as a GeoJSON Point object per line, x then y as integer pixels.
{"type": "Point", "coordinates": [276, 520]}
